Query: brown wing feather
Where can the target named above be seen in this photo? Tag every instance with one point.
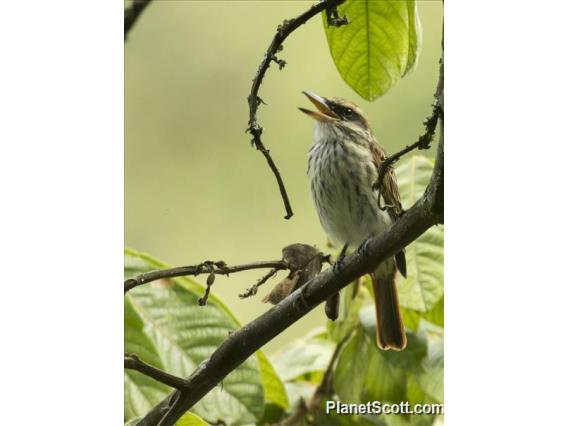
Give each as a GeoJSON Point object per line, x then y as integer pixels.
{"type": "Point", "coordinates": [389, 190]}
{"type": "Point", "coordinates": [390, 194]}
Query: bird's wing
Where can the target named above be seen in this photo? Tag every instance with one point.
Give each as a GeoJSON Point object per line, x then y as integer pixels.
{"type": "Point", "coordinates": [390, 194]}
{"type": "Point", "coordinates": [389, 189]}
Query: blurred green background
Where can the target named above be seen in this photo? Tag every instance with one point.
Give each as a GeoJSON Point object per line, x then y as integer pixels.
{"type": "Point", "coordinates": [194, 188]}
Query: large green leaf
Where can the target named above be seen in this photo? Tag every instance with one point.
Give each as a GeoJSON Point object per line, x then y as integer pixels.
{"type": "Point", "coordinates": [353, 297]}
{"type": "Point", "coordinates": [141, 393]}
{"type": "Point", "coordinates": [303, 357]}
{"type": "Point", "coordinates": [166, 327]}
{"type": "Point", "coordinates": [300, 390]}
{"type": "Point", "coordinates": [349, 377]}
{"type": "Point", "coordinates": [431, 379]}
{"type": "Point", "coordinates": [363, 374]}
{"type": "Point", "coordinates": [275, 397]}
{"type": "Point", "coordinates": [435, 315]}
{"type": "Point", "coordinates": [409, 359]}
{"type": "Point", "coordinates": [415, 374]}
{"type": "Point", "coordinates": [190, 419]}
{"type": "Point", "coordinates": [424, 285]}
{"type": "Point", "coordinates": [379, 45]}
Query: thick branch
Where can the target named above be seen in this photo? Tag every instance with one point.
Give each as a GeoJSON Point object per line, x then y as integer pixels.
{"type": "Point", "coordinates": [132, 362]}
{"type": "Point", "coordinates": [207, 267]}
{"type": "Point", "coordinates": [245, 342]}
{"type": "Point", "coordinates": [132, 14]}
{"type": "Point", "coordinates": [284, 30]}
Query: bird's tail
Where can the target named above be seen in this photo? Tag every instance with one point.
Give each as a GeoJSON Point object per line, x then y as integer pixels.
{"type": "Point", "coordinates": [390, 328]}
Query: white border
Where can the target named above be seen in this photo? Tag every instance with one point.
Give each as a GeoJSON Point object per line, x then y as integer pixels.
{"type": "Point", "coordinates": [61, 174]}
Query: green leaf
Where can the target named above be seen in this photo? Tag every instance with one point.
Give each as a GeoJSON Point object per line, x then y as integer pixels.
{"type": "Point", "coordinates": [190, 419]}
{"type": "Point", "coordinates": [141, 393]}
{"type": "Point", "coordinates": [435, 316]}
{"type": "Point", "coordinates": [349, 377]}
{"type": "Point", "coordinates": [409, 359]}
{"type": "Point", "coordinates": [424, 285]}
{"type": "Point", "coordinates": [303, 357]}
{"type": "Point", "coordinates": [431, 380]}
{"type": "Point", "coordinates": [352, 299]}
{"type": "Point", "coordinates": [383, 382]}
{"type": "Point", "coordinates": [179, 335]}
{"type": "Point", "coordinates": [378, 47]}
{"type": "Point", "coordinates": [274, 391]}
{"type": "Point", "coordinates": [300, 389]}
{"type": "Point", "coordinates": [374, 379]}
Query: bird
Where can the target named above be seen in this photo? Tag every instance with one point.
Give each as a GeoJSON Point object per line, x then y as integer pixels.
{"type": "Point", "coordinates": [343, 167]}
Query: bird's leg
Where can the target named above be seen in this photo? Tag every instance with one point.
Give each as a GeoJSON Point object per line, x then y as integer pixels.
{"type": "Point", "coordinates": [338, 265]}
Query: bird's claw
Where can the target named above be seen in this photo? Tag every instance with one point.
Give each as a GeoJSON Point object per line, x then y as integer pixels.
{"type": "Point", "coordinates": [363, 245]}
{"type": "Point", "coordinates": [339, 263]}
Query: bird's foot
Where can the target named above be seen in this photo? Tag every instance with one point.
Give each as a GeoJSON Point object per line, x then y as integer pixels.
{"type": "Point", "coordinates": [387, 206]}
{"type": "Point", "coordinates": [363, 245]}
{"type": "Point", "coordinates": [339, 263]}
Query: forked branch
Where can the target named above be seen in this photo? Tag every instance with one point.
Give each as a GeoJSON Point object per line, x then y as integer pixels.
{"type": "Point", "coordinates": [283, 31]}
{"type": "Point", "coordinates": [425, 140]}
{"type": "Point", "coordinates": [207, 267]}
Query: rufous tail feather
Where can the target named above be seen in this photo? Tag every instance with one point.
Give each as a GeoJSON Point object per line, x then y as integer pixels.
{"type": "Point", "coordinates": [390, 328]}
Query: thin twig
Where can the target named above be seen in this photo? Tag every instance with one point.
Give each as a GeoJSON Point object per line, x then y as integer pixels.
{"type": "Point", "coordinates": [423, 142]}
{"type": "Point", "coordinates": [132, 14]}
{"type": "Point", "coordinates": [253, 290]}
{"type": "Point", "coordinates": [132, 362]}
{"type": "Point", "coordinates": [202, 301]}
{"type": "Point", "coordinates": [207, 267]}
{"type": "Point", "coordinates": [283, 31]}
{"type": "Point", "coordinates": [294, 269]}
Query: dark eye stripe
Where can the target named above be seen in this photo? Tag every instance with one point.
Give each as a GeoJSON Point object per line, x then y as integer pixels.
{"type": "Point", "coordinates": [345, 112]}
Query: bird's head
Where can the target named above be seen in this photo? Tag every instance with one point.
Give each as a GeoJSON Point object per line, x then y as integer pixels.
{"type": "Point", "coordinates": [337, 113]}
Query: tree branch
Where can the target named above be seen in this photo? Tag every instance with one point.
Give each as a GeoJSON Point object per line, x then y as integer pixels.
{"type": "Point", "coordinates": [425, 140]}
{"type": "Point", "coordinates": [283, 31]}
{"type": "Point", "coordinates": [132, 14]}
{"type": "Point", "coordinates": [252, 290]}
{"type": "Point", "coordinates": [132, 362]}
{"type": "Point", "coordinates": [207, 267]}
{"type": "Point", "coordinates": [245, 342]}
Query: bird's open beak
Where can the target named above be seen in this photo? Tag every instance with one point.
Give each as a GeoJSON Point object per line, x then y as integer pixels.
{"type": "Point", "coordinates": [324, 113]}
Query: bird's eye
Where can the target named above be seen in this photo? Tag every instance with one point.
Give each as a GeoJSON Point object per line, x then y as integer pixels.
{"type": "Point", "coordinates": [348, 112]}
